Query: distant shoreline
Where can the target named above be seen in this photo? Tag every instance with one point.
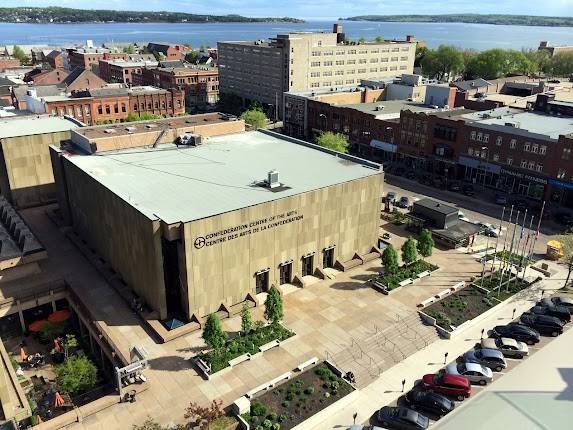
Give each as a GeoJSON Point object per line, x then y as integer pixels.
{"type": "Point", "coordinates": [517, 20]}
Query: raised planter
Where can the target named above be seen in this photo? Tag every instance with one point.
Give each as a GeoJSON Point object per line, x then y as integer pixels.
{"type": "Point", "coordinates": [239, 359]}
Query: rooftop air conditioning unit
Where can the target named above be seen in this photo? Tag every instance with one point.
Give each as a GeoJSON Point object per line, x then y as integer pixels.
{"type": "Point", "coordinates": [109, 130]}
{"type": "Point", "coordinates": [379, 108]}
{"type": "Point", "coordinates": [189, 140]}
{"type": "Point", "coordinates": [273, 179]}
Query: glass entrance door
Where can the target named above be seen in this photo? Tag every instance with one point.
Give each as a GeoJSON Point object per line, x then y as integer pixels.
{"type": "Point", "coordinates": [307, 265]}
{"type": "Point", "coordinates": [285, 275]}
{"type": "Point", "coordinates": [261, 282]}
{"type": "Point", "coordinates": [328, 258]}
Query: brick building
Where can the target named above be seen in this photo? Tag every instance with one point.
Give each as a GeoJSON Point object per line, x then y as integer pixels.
{"type": "Point", "coordinates": [55, 59]}
{"type": "Point", "coordinates": [7, 62]}
{"type": "Point", "coordinates": [46, 77]}
{"type": "Point", "coordinates": [110, 104]}
{"type": "Point", "coordinates": [88, 58]}
{"type": "Point", "coordinates": [200, 83]}
{"type": "Point", "coordinates": [167, 50]}
{"type": "Point", "coordinates": [122, 71]}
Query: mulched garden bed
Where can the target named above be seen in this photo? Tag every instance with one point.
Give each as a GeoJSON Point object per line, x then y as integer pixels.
{"type": "Point", "coordinates": [297, 399]}
{"type": "Point", "coordinates": [392, 281]}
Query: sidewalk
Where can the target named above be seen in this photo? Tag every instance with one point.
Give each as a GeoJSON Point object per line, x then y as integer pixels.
{"type": "Point", "coordinates": [388, 387]}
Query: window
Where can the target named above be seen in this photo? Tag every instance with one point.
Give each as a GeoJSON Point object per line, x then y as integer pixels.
{"type": "Point", "coordinates": [470, 151]}
{"type": "Point", "coordinates": [327, 84]}
{"type": "Point", "coordinates": [394, 59]}
{"type": "Point", "coordinates": [339, 62]}
{"type": "Point", "coordinates": [314, 74]}
{"type": "Point", "coordinates": [535, 148]}
{"type": "Point", "coordinates": [123, 108]}
{"type": "Point", "coordinates": [315, 64]}
{"type": "Point", "coordinates": [328, 53]}
{"type": "Point", "coordinates": [373, 70]}
{"type": "Point", "coordinates": [539, 167]}
{"type": "Point", "coordinates": [116, 108]}
{"type": "Point", "coordinates": [351, 62]}
{"type": "Point", "coordinates": [327, 73]}
{"type": "Point", "coordinates": [339, 72]}
{"type": "Point", "coordinates": [327, 63]}
{"type": "Point", "coordinates": [495, 157]}
{"type": "Point", "coordinates": [524, 163]}
{"type": "Point", "coordinates": [403, 58]}
{"type": "Point", "coordinates": [314, 85]}
{"type": "Point", "coordinates": [527, 147]}
{"type": "Point", "coordinates": [339, 52]}
{"type": "Point", "coordinates": [374, 51]}
{"type": "Point", "coordinates": [350, 81]}
{"type": "Point", "coordinates": [374, 60]}
{"type": "Point", "coordinates": [561, 174]}
{"type": "Point", "coordinates": [473, 135]}
{"type": "Point", "coordinates": [486, 138]}
{"type": "Point", "coordinates": [316, 53]}
{"type": "Point", "coordinates": [403, 67]}
{"type": "Point", "coordinates": [512, 143]}
{"type": "Point", "coordinates": [362, 61]}
{"type": "Point", "coordinates": [384, 60]}
{"type": "Point", "coordinates": [107, 109]}
{"type": "Point", "coordinates": [361, 70]}
{"type": "Point", "coordinates": [531, 165]}
{"type": "Point", "coordinates": [340, 82]}
{"type": "Point", "coordinates": [100, 109]}
{"type": "Point", "coordinates": [566, 155]}
{"type": "Point", "coordinates": [509, 161]}
{"type": "Point", "coordinates": [479, 137]}
{"type": "Point", "coordinates": [498, 141]}
{"type": "Point", "coordinates": [542, 150]}
{"type": "Point", "coordinates": [350, 72]}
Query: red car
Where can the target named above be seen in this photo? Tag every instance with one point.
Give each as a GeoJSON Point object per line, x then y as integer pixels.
{"type": "Point", "coordinates": [452, 385]}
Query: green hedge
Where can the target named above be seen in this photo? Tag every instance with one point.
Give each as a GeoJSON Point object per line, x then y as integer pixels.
{"type": "Point", "coordinates": [219, 358]}
{"type": "Point", "coordinates": [392, 281]}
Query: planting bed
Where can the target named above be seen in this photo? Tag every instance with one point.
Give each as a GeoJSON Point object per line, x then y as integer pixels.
{"type": "Point", "coordinates": [296, 400]}
{"type": "Point", "coordinates": [392, 281]}
{"type": "Point", "coordinates": [508, 287]}
{"type": "Point", "coordinates": [513, 258]}
{"type": "Point", "coordinates": [218, 358]}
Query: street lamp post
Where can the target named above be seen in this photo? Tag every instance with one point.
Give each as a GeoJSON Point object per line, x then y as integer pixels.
{"type": "Point", "coordinates": [485, 148]}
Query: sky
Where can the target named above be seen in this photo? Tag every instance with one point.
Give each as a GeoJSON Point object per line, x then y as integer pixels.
{"type": "Point", "coordinates": [320, 9]}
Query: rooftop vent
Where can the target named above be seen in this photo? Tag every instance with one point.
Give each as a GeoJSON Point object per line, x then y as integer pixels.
{"type": "Point", "coordinates": [273, 179]}
{"type": "Point", "coordinates": [150, 125]}
{"type": "Point", "coordinates": [109, 131]}
{"type": "Point", "coordinates": [379, 108]}
{"type": "Point", "coordinates": [130, 129]}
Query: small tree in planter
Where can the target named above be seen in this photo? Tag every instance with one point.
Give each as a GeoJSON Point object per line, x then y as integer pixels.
{"type": "Point", "coordinates": [76, 375]}
{"type": "Point", "coordinates": [425, 243]}
{"type": "Point", "coordinates": [274, 306]}
{"type": "Point", "coordinates": [204, 416]}
{"type": "Point", "coordinates": [213, 333]}
{"type": "Point", "coordinates": [246, 319]}
{"type": "Point", "coordinates": [409, 251]}
{"type": "Point", "coordinates": [390, 260]}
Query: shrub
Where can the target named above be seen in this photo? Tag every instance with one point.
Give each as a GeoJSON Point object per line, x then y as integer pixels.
{"type": "Point", "coordinates": [425, 243]}
{"type": "Point", "coordinates": [409, 251]}
{"type": "Point", "coordinates": [327, 395]}
{"type": "Point", "coordinates": [246, 319]}
{"type": "Point", "coordinates": [272, 416]}
{"type": "Point", "coordinates": [282, 418]}
{"type": "Point", "coordinates": [276, 426]}
{"type": "Point", "coordinates": [213, 333]}
{"type": "Point", "coordinates": [334, 385]}
{"type": "Point", "coordinates": [274, 306]}
{"type": "Point", "coordinates": [390, 259]}
{"type": "Point", "coordinates": [309, 390]}
{"type": "Point", "coordinates": [258, 409]}
{"type": "Point", "coordinates": [267, 424]}
{"type": "Point", "coordinates": [259, 428]}
{"type": "Point", "coordinates": [285, 404]}
{"type": "Point", "coordinates": [76, 375]}
{"type": "Point", "coordinates": [290, 396]}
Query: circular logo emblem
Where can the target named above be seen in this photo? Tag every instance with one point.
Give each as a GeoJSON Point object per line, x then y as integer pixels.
{"type": "Point", "coordinates": [199, 242]}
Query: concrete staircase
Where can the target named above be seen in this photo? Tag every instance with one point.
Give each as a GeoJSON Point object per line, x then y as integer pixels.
{"type": "Point", "coordinates": [381, 349]}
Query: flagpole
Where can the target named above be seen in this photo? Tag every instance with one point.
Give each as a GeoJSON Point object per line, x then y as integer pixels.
{"type": "Point", "coordinates": [532, 250]}
{"type": "Point", "coordinates": [508, 263]}
{"type": "Point", "coordinates": [524, 256]}
{"type": "Point", "coordinates": [501, 268]}
{"type": "Point", "coordinates": [521, 235]}
{"type": "Point", "coordinates": [495, 250]}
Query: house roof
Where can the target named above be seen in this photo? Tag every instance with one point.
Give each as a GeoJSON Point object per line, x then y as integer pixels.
{"type": "Point", "coordinates": [471, 85]}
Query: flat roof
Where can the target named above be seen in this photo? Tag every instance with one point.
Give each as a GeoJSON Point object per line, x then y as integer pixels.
{"type": "Point", "coordinates": [222, 175]}
{"type": "Point", "coordinates": [391, 108]}
{"type": "Point", "coordinates": [527, 123]}
{"type": "Point", "coordinates": [120, 129]}
{"type": "Point", "coordinates": [34, 125]}
{"type": "Point", "coordinates": [435, 206]}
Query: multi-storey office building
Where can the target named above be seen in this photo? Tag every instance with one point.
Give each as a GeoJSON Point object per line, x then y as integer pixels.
{"type": "Point", "coordinates": [191, 237]}
{"type": "Point", "coordinates": [264, 70]}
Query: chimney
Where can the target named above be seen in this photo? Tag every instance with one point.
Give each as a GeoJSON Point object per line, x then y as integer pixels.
{"type": "Point", "coordinates": [340, 36]}
{"type": "Point", "coordinates": [410, 38]}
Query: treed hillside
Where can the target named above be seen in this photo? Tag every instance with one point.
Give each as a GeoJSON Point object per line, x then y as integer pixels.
{"type": "Point", "coordinates": [549, 21]}
{"type": "Point", "coordinates": [68, 15]}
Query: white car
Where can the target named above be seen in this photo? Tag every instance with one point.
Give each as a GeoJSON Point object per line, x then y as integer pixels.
{"type": "Point", "coordinates": [463, 217]}
{"type": "Point", "coordinates": [473, 371]}
{"type": "Point", "coordinates": [507, 346]}
{"type": "Point", "coordinates": [489, 229]}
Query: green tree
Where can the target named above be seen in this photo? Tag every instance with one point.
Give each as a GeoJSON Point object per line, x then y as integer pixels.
{"type": "Point", "coordinates": [390, 259]}
{"type": "Point", "coordinates": [255, 118]}
{"type": "Point", "coordinates": [213, 333]}
{"type": "Point", "coordinates": [425, 243]}
{"type": "Point", "coordinates": [335, 141]}
{"type": "Point", "coordinates": [145, 116]}
{"type": "Point", "coordinates": [446, 62]}
{"type": "Point", "coordinates": [421, 52]}
{"type": "Point", "coordinates": [246, 319]}
{"type": "Point", "coordinates": [69, 342]}
{"type": "Point", "coordinates": [19, 54]}
{"type": "Point", "coordinates": [362, 40]}
{"type": "Point", "coordinates": [274, 306]}
{"type": "Point", "coordinates": [409, 251]}
{"type": "Point", "coordinates": [192, 56]}
{"type": "Point", "coordinates": [230, 103]}
{"type": "Point", "coordinates": [379, 39]}
{"type": "Point", "coordinates": [76, 375]}
{"type": "Point", "coordinates": [496, 63]}
{"type": "Point", "coordinates": [52, 331]}
{"type": "Point", "coordinates": [151, 424]}
{"type": "Point", "coordinates": [561, 64]}
{"type": "Point", "coordinates": [129, 49]}
{"type": "Point", "coordinates": [202, 47]}
{"type": "Point", "coordinates": [567, 242]}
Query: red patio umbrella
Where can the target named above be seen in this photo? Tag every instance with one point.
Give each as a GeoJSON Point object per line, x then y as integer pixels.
{"type": "Point", "coordinates": [58, 316]}
{"type": "Point", "coordinates": [37, 325]}
{"type": "Point", "coordinates": [23, 355]}
{"type": "Point", "coordinates": [58, 400]}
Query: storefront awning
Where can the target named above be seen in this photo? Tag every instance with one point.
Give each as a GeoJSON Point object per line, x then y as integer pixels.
{"type": "Point", "coordinates": [384, 146]}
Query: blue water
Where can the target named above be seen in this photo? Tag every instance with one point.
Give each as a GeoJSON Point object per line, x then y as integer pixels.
{"type": "Point", "coordinates": [476, 36]}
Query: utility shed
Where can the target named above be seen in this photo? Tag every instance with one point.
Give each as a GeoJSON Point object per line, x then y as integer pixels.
{"type": "Point", "coordinates": [437, 215]}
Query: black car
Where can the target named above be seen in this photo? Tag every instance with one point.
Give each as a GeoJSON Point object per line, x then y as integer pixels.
{"type": "Point", "coordinates": [428, 401]}
{"type": "Point", "coordinates": [402, 418]}
{"type": "Point", "coordinates": [560, 312]}
{"type": "Point", "coordinates": [543, 323]}
{"type": "Point", "coordinates": [558, 301]}
{"type": "Point", "coordinates": [564, 218]}
{"type": "Point", "coordinates": [468, 190]}
{"type": "Point", "coordinates": [518, 332]}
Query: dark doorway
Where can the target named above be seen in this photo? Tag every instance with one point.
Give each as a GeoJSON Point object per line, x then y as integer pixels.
{"type": "Point", "coordinates": [261, 282]}
{"type": "Point", "coordinates": [328, 258]}
{"type": "Point", "coordinates": [171, 279]}
{"type": "Point", "coordinates": [307, 265]}
{"type": "Point", "coordinates": [285, 273]}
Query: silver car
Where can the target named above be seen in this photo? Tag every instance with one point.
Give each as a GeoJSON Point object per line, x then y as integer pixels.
{"type": "Point", "coordinates": [473, 371]}
{"type": "Point", "coordinates": [507, 346]}
{"type": "Point", "coordinates": [491, 358]}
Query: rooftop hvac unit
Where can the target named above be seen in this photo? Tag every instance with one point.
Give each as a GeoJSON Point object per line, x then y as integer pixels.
{"type": "Point", "coordinates": [273, 179]}
{"type": "Point", "coordinates": [150, 125]}
{"type": "Point", "coordinates": [379, 108]}
{"type": "Point", "coordinates": [109, 130]}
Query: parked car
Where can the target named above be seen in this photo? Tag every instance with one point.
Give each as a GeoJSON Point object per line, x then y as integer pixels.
{"type": "Point", "coordinates": [518, 332]}
{"type": "Point", "coordinates": [391, 197]}
{"type": "Point", "coordinates": [386, 236]}
{"type": "Point", "coordinates": [491, 358]}
{"type": "Point", "coordinates": [463, 216]}
{"type": "Point", "coordinates": [454, 186]}
{"type": "Point", "coordinates": [468, 190]}
{"type": "Point", "coordinates": [500, 199]}
{"type": "Point", "coordinates": [558, 301]}
{"type": "Point", "coordinates": [359, 427]}
{"type": "Point", "coordinates": [489, 230]}
{"type": "Point", "coordinates": [543, 324]}
{"type": "Point", "coordinates": [507, 346]}
{"type": "Point", "coordinates": [564, 218]}
{"type": "Point", "coordinates": [428, 401]}
{"type": "Point", "coordinates": [404, 202]}
{"type": "Point", "coordinates": [560, 312]}
{"type": "Point", "coordinates": [473, 371]}
{"type": "Point", "coordinates": [451, 385]}
{"type": "Point", "coordinates": [402, 418]}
